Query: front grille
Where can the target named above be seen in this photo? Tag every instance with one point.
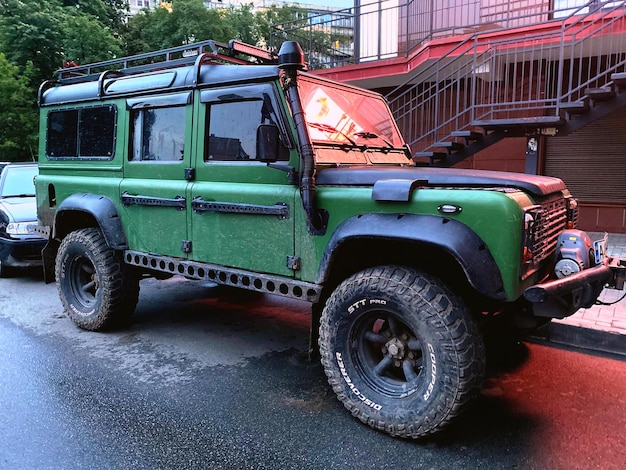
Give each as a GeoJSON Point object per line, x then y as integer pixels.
{"type": "Point", "coordinates": [548, 220]}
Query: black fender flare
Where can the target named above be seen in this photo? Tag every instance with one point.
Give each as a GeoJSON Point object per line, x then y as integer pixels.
{"type": "Point", "coordinates": [102, 209]}
{"type": "Point", "coordinates": [449, 235]}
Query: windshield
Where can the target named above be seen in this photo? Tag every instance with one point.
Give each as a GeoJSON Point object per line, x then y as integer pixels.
{"type": "Point", "coordinates": [19, 181]}
{"type": "Point", "coordinates": [342, 115]}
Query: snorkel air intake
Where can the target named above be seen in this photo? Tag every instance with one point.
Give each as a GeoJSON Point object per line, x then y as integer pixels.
{"type": "Point", "coordinates": [290, 61]}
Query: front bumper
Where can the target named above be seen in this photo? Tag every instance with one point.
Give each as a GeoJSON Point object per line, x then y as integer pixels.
{"type": "Point", "coordinates": [21, 252]}
{"type": "Point", "coordinates": [560, 298]}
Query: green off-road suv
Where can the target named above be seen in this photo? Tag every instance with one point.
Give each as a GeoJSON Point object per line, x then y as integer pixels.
{"type": "Point", "coordinates": [194, 162]}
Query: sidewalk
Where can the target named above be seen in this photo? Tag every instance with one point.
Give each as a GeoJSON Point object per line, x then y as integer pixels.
{"type": "Point", "coordinates": [601, 328]}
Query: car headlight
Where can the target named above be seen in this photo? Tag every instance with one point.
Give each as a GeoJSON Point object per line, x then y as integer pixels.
{"type": "Point", "coordinates": [22, 228]}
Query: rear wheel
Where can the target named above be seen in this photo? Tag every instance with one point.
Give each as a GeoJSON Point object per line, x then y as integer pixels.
{"type": "Point", "coordinates": [96, 288]}
{"type": "Point", "coordinates": [400, 350]}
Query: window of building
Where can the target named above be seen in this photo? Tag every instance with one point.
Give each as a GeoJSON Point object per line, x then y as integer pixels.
{"type": "Point", "coordinates": [158, 134]}
{"type": "Point", "coordinates": [82, 133]}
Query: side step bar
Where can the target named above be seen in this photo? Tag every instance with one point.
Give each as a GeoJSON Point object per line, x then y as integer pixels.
{"type": "Point", "coordinates": [259, 282]}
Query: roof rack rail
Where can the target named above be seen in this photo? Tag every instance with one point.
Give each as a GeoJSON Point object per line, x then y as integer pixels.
{"type": "Point", "coordinates": [235, 52]}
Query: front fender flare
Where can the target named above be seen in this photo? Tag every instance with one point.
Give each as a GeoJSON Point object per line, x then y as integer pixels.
{"type": "Point", "coordinates": [449, 235]}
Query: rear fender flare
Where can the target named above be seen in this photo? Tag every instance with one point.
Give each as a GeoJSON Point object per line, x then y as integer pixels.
{"type": "Point", "coordinates": [101, 209]}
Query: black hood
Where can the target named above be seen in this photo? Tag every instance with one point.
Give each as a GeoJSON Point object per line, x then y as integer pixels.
{"type": "Point", "coordinates": [445, 177]}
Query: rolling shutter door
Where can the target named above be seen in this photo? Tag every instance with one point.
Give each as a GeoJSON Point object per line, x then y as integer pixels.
{"type": "Point", "coordinates": [592, 160]}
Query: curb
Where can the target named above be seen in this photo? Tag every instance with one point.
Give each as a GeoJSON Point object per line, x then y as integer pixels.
{"type": "Point", "coordinates": [587, 339]}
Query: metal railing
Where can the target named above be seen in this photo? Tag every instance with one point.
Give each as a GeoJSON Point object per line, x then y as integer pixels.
{"type": "Point", "coordinates": [537, 74]}
{"type": "Point", "coordinates": [382, 29]}
{"type": "Point", "coordinates": [326, 37]}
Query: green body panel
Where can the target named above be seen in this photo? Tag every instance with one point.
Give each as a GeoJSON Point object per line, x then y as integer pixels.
{"type": "Point", "coordinates": [155, 229]}
{"type": "Point", "coordinates": [243, 240]}
{"type": "Point", "coordinates": [103, 183]}
{"type": "Point", "coordinates": [480, 210]}
{"type": "Point", "coordinates": [259, 243]}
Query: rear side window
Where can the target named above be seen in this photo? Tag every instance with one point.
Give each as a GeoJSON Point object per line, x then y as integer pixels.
{"type": "Point", "coordinates": [87, 133]}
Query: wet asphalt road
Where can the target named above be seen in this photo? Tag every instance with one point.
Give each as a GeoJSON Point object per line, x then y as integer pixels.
{"type": "Point", "coordinates": [200, 381]}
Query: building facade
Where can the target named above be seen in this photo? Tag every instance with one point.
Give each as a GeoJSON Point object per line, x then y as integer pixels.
{"type": "Point", "coordinates": [523, 85]}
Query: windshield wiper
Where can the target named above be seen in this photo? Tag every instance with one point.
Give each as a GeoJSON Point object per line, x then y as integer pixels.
{"type": "Point", "coordinates": [333, 130]}
{"type": "Point", "coordinates": [16, 195]}
{"type": "Point", "coordinates": [372, 135]}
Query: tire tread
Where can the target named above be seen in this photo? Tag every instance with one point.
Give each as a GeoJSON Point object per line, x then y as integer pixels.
{"type": "Point", "coordinates": [446, 311]}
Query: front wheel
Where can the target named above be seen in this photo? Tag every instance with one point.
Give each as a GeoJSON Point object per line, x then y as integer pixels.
{"type": "Point", "coordinates": [400, 350]}
{"type": "Point", "coordinates": [96, 288]}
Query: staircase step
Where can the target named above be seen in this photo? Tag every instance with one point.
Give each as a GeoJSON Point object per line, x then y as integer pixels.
{"type": "Point", "coordinates": [534, 121]}
{"type": "Point", "coordinates": [433, 157]}
{"type": "Point", "coordinates": [619, 79]}
{"type": "Point", "coordinates": [575, 107]}
{"type": "Point", "coordinates": [604, 93]}
{"type": "Point", "coordinates": [469, 136]}
{"type": "Point", "coordinates": [449, 145]}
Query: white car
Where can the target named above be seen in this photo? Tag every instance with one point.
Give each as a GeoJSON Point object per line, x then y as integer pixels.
{"type": "Point", "coordinates": [20, 246]}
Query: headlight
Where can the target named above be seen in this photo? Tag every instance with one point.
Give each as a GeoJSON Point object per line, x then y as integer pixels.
{"type": "Point", "coordinates": [22, 228]}
{"type": "Point", "coordinates": [529, 221]}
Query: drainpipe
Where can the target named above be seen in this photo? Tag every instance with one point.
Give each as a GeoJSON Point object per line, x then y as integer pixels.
{"type": "Point", "coordinates": [290, 60]}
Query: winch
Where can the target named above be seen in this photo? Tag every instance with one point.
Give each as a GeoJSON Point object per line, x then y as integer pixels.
{"type": "Point", "coordinates": [574, 253]}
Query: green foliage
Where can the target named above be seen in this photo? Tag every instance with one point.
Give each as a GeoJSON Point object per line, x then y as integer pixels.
{"type": "Point", "coordinates": [38, 36]}
{"type": "Point", "coordinates": [31, 32]}
{"type": "Point", "coordinates": [275, 16]}
{"type": "Point", "coordinates": [85, 40]}
{"type": "Point", "coordinates": [109, 13]}
{"type": "Point", "coordinates": [187, 21]}
{"type": "Point", "coordinates": [48, 33]}
{"type": "Point", "coordinates": [18, 137]}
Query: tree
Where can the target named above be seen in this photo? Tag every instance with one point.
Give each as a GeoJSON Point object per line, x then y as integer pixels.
{"type": "Point", "coordinates": [18, 133]}
{"type": "Point", "coordinates": [47, 33]}
{"type": "Point", "coordinates": [31, 32]}
{"type": "Point", "coordinates": [185, 22]}
{"type": "Point", "coordinates": [36, 37]}
{"type": "Point", "coordinates": [244, 24]}
{"type": "Point", "coordinates": [274, 15]}
{"type": "Point", "coordinates": [86, 41]}
{"type": "Point", "coordinates": [109, 13]}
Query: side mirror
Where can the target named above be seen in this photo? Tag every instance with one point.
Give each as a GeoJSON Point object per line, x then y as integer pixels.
{"type": "Point", "coordinates": [267, 143]}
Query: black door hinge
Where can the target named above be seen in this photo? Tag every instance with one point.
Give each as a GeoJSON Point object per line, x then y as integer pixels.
{"type": "Point", "coordinates": [186, 246]}
{"type": "Point", "coordinates": [190, 174]}
{"type": "Point", "coordinates": [293, 262]}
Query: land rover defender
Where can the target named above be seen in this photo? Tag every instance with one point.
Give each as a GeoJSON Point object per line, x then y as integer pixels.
{"type": "Point", "coordinates": [231, 164]}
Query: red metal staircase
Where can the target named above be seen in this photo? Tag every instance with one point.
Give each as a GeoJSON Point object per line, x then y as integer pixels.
{"type": "Point", "coordinates": [550, 80]}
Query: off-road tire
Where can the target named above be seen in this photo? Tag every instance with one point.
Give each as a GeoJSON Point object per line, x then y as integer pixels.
{"type": "Point", "coordinates": [400, 350]}
{"type": "Point", "coordinates": [97, 289]}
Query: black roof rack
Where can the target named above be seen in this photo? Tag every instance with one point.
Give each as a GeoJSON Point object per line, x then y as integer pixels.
{"type": "Point", "coordinates": [235, 52]}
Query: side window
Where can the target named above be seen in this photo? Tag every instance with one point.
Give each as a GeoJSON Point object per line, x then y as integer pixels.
{"type": "Point", "coordinates": [81, 133]}
{"type": "Point", "coordinates": [158, 134]}
{"type": "Point", "coordinates": [62, 134]}
{"type": "Point", "coordinates": [232, 128]}
{"type": "Point", "coordinates": [97, 132]}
